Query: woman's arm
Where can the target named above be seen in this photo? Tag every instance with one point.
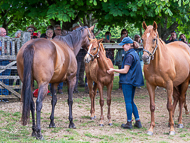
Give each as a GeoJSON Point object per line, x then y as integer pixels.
{"type": "Point", "coordinates": [122, 71]}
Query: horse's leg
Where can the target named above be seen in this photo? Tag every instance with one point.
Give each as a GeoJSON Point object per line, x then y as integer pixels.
{"type": "Point", "coordinates": [176, 99]}
{"type": "Point", "coordinates": [176, 95]}
{"type": "Point", "coordinates": [170, 107]}
{"type": "Point", "coordinates": [71, 84]}
{"type": "Point", "coordinates": [53, 103]}
{"type": "Point", "coordinates": [182, 99]}
{"type": "Point", "coordinates": [93, 100]}
{"type": "Point", "coordinates": [185, 106]}
{"type": "Point", "coordinates": [43, 89]}
{"type": "Point", "coordinates": [109, 89]}
{"type": "Point", "coordinates": [90, 84]}
{"type": "Point", "coordinates": [151, 91]}
{"type": "Point", "coordinates": [100, 87]}
{"type": "Point", "coordinates": [32, 108]}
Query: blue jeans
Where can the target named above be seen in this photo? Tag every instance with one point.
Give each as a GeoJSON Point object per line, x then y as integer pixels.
{"type": "Point", "coordinates": [129, 92]}
{"type": "Point", "coordinates": [7, 72]}
{"type": "Point", "coordinates": [60, 86]}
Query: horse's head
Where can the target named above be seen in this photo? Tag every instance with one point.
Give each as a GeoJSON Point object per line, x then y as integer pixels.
{"type": "Point", "coordinates": [93, 50]}
{"type": "Point", "coordinates": [88, 33]}
{"type": "Point", "coordinates": [150, 42]}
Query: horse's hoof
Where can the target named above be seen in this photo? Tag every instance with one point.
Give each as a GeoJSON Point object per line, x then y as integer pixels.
{"type": "Point", "coordinates": [110, 124]}
{"type": "Point", "coordinates": [34, 134]}
{"type": "Point", "coordinates": [101, 125]}
{"type": "Point", "coordinates": [72, 126]}
{"type": "Point", "coordinates": [40, 137]}
{"type": "Point", "coordinates": [149, 133]}
{"type": "Point", "coordinates": [92, 118]}
{"type": "Point", "coordinates": [187, 112]}
{"type": "Point", "coordinates": [180, 126]}
{"type": "Point", "coordinates": [52, 126]}
{"type": "Point", "coordinates": [172, 133]}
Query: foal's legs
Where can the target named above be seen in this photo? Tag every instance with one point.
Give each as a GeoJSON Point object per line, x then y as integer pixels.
{"type": "Point", "coordinates": [100, 87]}
{"type": "Point", "coordinates": [71, 84]}
{"type": "Point", "coordinates": [91, 94]}
{"type": "Point", "coordinates": [43, 89]}
{"type": "Point", "coordinates": [109, 89]}
{"type": "Point", "coordinates": [93, 101]}
{"type": "Point", "coordinates": [53, 103]}
{"type": "Point", "coordinates": [151, 91]}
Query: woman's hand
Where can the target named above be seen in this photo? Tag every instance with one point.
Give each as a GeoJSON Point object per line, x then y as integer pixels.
{"type": "Point", "coordinates": [110, 71]}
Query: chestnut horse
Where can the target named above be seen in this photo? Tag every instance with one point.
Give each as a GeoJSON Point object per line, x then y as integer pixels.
{"type": "Point", "coordinates": [96, 66]}
{"type": "Point", "coordinates": [168, 66]}
{"type": "Point", "coordinates": [49, 62]}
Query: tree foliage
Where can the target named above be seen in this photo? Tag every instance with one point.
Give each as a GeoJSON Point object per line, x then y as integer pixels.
{"type": "Point", "coordinates": [169, 14]}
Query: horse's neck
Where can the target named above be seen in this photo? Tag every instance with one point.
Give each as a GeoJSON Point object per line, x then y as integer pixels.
{"type": "Point", "coordinates": [102, 61]}
{"type": "Point", "coordinates": [77, 46]}
{"type": "Point", "coordinates": [159, 56]}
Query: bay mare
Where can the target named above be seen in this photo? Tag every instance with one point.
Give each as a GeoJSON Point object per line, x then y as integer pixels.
{"type": "Point", "coordinates": [168, 66]}
{"type": "Point", "coordinates": [49, 62]}
{"type": "Point", "coordinates": [96, 66]}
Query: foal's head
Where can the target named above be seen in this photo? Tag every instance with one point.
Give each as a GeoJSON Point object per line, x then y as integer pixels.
{"type": "Point", "coordinates": [93, 50]}
{"type": "Point", "coordinates": [150, 42]}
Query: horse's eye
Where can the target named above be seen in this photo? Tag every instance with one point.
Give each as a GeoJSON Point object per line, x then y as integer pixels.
{"type": "Point", "coordinates": [94, 48]}
{"type": "Point", "coordinates": [154, 39]}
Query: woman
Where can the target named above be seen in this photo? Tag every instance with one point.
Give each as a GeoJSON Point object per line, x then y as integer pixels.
{"type": "Point", "coordinates": [130, 78]}
{"type": "Point", "coordinates": [49, 34]}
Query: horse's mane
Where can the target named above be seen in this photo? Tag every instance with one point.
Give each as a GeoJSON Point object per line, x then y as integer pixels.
{"type": "Point", "coordinates": [102, 47]}
{"type": "Point", "coordinates": [162, 42]}
{"type": "Point", "coordinates": [73, 37]}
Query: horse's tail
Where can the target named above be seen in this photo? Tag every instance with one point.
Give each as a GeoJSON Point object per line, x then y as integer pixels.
{"type": "Point", "coordinates": [28, 56]}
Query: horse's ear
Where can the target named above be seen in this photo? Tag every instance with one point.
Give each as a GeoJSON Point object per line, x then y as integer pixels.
{"type": "Point", "coordinates": [91, 28]}
{"type": "Point", "coordinates": [154, 26]}
{"type": "Point", "coordinates": [90, 39]}
{"type": "Point", "coordinates": [144, 25]}
{"type": "Point", "coordinates": [100, 40]}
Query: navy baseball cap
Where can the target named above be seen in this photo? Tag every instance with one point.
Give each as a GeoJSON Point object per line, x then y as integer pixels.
{"type": "Point", "coordinates": [126, 40]}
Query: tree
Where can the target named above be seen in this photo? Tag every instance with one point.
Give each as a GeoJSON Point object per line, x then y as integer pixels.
{"type": "Point", "coordinates": [169, 14]}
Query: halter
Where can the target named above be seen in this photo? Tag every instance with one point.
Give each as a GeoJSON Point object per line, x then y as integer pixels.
{"type": "Point", "coordinates": [96, 55]}
{"type": "Point", "coordinates": [152, 54]}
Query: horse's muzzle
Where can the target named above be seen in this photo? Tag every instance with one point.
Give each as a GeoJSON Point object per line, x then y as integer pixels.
{"type": "Point", "coordinates": [146, 59]}
{"type": "Point", "coordinates": [87, 59]}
